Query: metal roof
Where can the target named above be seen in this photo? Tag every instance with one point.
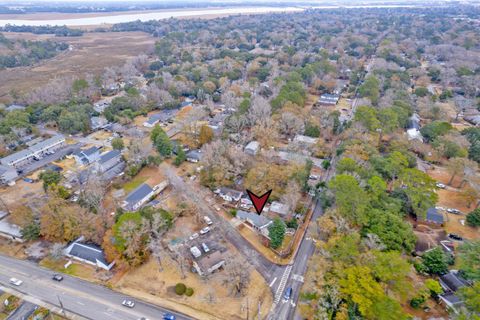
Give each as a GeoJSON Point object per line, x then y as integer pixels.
{"type": "Point", "coordinates": [17, 156]}
{"type": "Point", "coordinates": [139, 193]}
{"type": "Point", "coordinates": [47, 143]}
{"type": "Point", "coordinates": [109, 155]}
{"type": "Point", "coordinates": [89, 252]}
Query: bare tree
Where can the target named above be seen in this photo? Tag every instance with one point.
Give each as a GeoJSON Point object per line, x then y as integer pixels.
{"type": "Point", "coordinates": [290, 124]}
{"type": "Point", "coordinates": [236, 275]}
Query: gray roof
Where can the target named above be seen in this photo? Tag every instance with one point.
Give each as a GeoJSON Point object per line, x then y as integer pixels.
{"type": "Point", "coordinates": [162, 116]}
{"type": "Point", "coordinates": [88, 252]}
{"type": "Point", "coordinates": [434, 216]}
{"type": "Point", "coordinates": [453, 281]}
{"type": "Point", "coordinates": [194, 154]}
{"type": "Point", "coordinates": [46, 143]}
{"type": "Point", "coordinates": [139, 193]}
{"type": "Point", "coordinates": [109, 155]}
{"type": "Point", "coordinates": [236, 195]}
{"type": "Point", "coordinates": [22, 154]}
{"type": "Point", "coordinates": [90, 151]}
{"type": "Point", "coordinates": [257, 219]}
{"type": "Point", "coordinates": [452, 298]}
{"type": "Point", "coordinates": [329, 96]}
{"type": "Point", "coordinates": [5, 169]}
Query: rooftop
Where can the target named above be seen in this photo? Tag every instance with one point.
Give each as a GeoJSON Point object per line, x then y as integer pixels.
{"type": "Point", "coordinates": [208, 261]}
{"type": "Point", "coordinates": [89, 252]}
{"type": "Point", "coordinates": [279, 208]}
{"type": "Point", "coordinates": [257, 219]}
{"type": "Point", "coordinates": [47, 143]}
{"type": "Point", "coordinates": [434, 216]}
{"type": "Point", "coordinates": [139, 193]}
{"type": "Point", "coordinates": [109, 155]}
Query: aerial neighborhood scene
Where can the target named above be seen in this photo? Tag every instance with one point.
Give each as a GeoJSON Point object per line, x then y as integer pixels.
{"type": "Point", "coordinates": [278, 160]}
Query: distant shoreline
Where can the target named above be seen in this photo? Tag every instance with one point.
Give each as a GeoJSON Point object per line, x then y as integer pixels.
{"type": "Point", "coordinates": [108, 18]}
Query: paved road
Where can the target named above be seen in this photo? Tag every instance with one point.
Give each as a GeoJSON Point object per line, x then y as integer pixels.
{"type": "Point", "coordinates": [24, 311]}
{"type": "Point", "coordinates": [35, 165]}
{"type": "Point", "coordinates": [86, 300]}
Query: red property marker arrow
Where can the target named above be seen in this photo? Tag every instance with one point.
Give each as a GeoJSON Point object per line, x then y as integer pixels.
{"type": "Point", "coordinates": [259, 202]}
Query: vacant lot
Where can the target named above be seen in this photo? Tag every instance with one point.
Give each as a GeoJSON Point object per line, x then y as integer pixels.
{"type": "Point", "coordinates": [211, 299]}
{"type": "Point", "coordinates": [91, 53]}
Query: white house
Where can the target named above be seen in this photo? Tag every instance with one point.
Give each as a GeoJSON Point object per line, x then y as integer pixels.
{"type": "Point", "coordinates": [88, 253]}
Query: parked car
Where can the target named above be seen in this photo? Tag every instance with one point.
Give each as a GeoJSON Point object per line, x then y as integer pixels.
{"type": "Point", "coordinates": [440, 208]}
{"type": "Point", "coordinates": [128, 303]}
{"type": "Point", "coordinates": [169, 316]}
{"type": "Point", "coordinates": [454, 211]}
{"type": "Point", "coordinates": [28, 180]}
{"type": "Point", "coordinates": [16, 281]}
{"type": "Point", "coordinates": [440, 185]}
{"type": "Point", "coordinates": [207, 220]}
{"type": "Point", "coordinates": [205, 230]}
{"type": "Point", "coordinates": [193, 236]}
{"type": "Point", "coordinates": [288, 294]}
{"type": "Point", "coordinates": [57, 277]}
{"type": "Point", "coordinates": [196, 252]}
{"type": "Point", "coordinates": [205, 247]}
{"type": "Point", "coordinates": [455, 236]}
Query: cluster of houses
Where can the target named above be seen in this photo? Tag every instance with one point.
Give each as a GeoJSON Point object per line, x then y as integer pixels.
{"type": "Point", "coordinates": [12, 164]}
{"type": "Point", "coordinates": [108, 164]}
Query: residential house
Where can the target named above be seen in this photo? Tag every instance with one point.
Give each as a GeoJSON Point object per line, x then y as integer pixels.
{"type": "Point", "coordinates": [255, 221]}
{"type": "Point", "coordinates": [279, 208]}
{"type": "Point", "coordinates": [163, 116]}
{"type": "Point", "coordinates": [229, 195]}
{"type": "Point", "coordinates": [87, 156]}
{"type": "Point", "coordinates": [327, 99]}
{"type": "Point", "coordinates": [7, 174]}
{"type": "Point", "coordinates": [245, 202]}
{"type": "Point", "coordinates": [194, 156]}
{"type": "Point", "coordinates": [108, 160]}
{"type": "Point", "coordinates": [304, 140]}
{"type": "Point", "coordinates": [97, 123]}
{"type": "Point", "coordinates": [450, 283]}
{"type": "Point", "coordinates": [209, 263]}
{"type": "Point", "coordinates": [88, 253]}
{"type": "Point", "coordinates": [252, 148]}
{"type": "Point", "coordinates": [142, 195]}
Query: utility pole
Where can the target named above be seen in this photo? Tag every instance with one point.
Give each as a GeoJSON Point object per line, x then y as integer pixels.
{"type": "Point", "coordinates": [61, 306]}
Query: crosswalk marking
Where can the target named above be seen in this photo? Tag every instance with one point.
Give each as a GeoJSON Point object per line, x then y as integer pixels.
{"type": "Point", "coordinates": [283, 283]}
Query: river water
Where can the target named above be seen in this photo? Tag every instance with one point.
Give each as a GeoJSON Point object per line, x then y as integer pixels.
{"type": "Point", "coordinates": [157, 15]}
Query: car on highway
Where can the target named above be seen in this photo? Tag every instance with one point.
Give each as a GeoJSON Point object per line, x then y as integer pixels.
{"type": "Point", "coordinates": [169, 316]}
{"type": "Point", "coordinates": [57, 277]}
{"type": "Point", "coordinates": [15, 281]}
{"type": "Point", "coordinates": [128, 303]}
{"type": "Point", "coordinates": [205, 230]}
{"type": "Point", "coordinates": [288, 294]}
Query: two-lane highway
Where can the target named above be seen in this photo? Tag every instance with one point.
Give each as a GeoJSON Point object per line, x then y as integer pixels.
{"type": "Point", "coordinates": [80, 298]}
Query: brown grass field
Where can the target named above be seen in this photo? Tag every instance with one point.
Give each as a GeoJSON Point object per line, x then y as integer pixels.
{"type": "Point", "coordinates": [91, 53]}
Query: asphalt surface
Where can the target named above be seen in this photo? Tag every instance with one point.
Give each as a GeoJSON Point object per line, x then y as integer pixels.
{"type": "Point", "coordinates": [85, 299]}
{"type": "Point", "coordinates": [35, 165]}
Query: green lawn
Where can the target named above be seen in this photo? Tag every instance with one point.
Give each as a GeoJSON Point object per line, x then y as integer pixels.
{"type": "Point", "coordinates": [132, 184]}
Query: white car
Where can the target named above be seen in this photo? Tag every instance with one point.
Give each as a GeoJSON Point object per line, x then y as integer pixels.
{"type": "Point", "coordinates": [128, 303]}
{"type": "Point", "coordinates": [205, 247]}
{"type": "Point", "coordinates": [196, 252]}
{"type": "Point", "coordinates": [16, 281]}
{"type": "Point", "coordinates": [207, 220]}
{"type": "Point", "coordinates": [193, 236]}
{"type": "Point", "coordinates": [205, 230]}
{"type": "Point", "coordinates": [440, 185]}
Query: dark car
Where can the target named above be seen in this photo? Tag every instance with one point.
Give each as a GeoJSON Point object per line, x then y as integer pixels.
{"type": "Point", "coordinates": [455, 236]}
{"type": "Point", "coordinates": [57, 277]}
{"type": "Point", "coordinates": [288, 294]}
{"type": "Point", "coordinates": [168, 316]}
